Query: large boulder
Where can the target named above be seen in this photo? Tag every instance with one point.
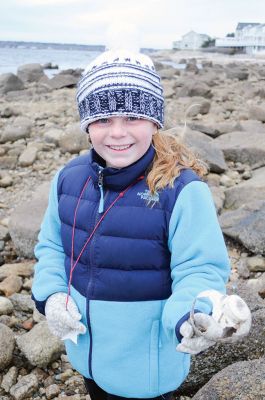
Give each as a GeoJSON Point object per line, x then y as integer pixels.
{"type": "Point", "coordinates": [243, 147]}
{"type": "Point", "coordinates": [20, 128]}
{"type": "Point", "coordinates": [242, 380]}
{"type": "Point", "coordinates": [62, 80]}
{"type": "Point", "coordinates": [73, 140]}
{"type": "Point", "coordinates": [25, 221]}
{"type": "Point", "coordinates": [30, 72]}
{"type": "Point", "coordinates": [10, 82]}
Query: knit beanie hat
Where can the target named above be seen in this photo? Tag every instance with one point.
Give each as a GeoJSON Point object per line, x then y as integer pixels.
{"type": "Point", "coordinates": [120, 83]}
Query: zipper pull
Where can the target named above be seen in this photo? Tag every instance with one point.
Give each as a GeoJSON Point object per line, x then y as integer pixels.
{"type": "Point", "coordinates": [100, 185]}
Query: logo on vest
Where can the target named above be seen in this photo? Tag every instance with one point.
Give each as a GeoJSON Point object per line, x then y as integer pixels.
{"type": "Point", "coordinates": [146, 195]}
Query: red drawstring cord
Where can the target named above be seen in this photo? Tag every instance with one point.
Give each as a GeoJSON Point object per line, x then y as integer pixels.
{"type": "Point", "coordinates": [73, 265]}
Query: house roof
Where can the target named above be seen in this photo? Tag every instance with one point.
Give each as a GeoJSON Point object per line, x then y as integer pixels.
{"type": "Point", "coordinates": [242, 25]}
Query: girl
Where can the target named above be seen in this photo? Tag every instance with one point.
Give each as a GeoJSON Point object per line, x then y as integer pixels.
{"type": "Point", "coordinates": [129, 239]}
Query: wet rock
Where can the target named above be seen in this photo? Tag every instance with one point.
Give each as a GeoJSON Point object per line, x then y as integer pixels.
{"type": "Point", "coordinates": [6, 306]}
{"type": "Point", "coordinates": [246, 192]}
{"type": "Point", "coordinates": [10, 82]}
{"type": "Point", "coordinates": [9, 379]}
{"type": "Point", "coordinates": [11, 285]}
{"type": "Point", "coordinates": [246, 225]}
{"type": "Point", "coordinates": [7, 344]}
{"type": "Point", "coordinates": [30, 72]}
{"type": "Point", "coordinates": [24, 226]}
{"type": "Point", "coordinates": [25, 387]}
{"type": "Point", "coordinates": [39, 346]}
{"type": "Point", "coordinates": [243, 147]}
{"type": "Point", "coordinates": [241, 380]}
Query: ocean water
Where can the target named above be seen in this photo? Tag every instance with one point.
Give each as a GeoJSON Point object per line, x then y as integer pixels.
{"type": "Point", "coordinates": [12, 58]}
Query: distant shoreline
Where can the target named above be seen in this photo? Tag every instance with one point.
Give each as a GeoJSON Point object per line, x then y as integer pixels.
{"type": "Point", "coordinates": [43, 45]}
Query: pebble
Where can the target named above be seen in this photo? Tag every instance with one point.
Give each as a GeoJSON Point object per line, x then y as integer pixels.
{"type": "Point", "coordinates": [10, 285]}
{"type": "Point", "coordinates": [6, 306]}
{"type": "Point", "coordinates": [25, 387]}
{"type": "Point", "coordinates": [256, 264]}
{"type": "Point", "coordinates": [52, 391]}
{"type": "Point", "coordinates": [9, 379]}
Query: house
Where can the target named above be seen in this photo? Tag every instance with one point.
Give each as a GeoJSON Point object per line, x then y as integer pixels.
{"type": "Point", "coordinates": [249, 38]}
{"type": "Point", "coordinates": [191, 41]}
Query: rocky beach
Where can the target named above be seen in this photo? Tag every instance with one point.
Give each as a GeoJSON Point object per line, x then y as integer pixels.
{"type": "Point", "coordinates": [216, 104]}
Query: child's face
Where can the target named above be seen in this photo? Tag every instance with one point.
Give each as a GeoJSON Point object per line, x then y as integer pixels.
{"type": "Point", "coordinates": [121, 141]}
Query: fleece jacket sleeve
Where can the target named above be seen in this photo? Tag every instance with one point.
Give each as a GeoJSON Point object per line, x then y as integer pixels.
{"type": "Point", "coordinates": [199, 259]}
{"type": "Point", "coordinates": [49, 276]}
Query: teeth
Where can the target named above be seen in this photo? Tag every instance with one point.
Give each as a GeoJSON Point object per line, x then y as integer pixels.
{"type": "Point", "coordinates": [120, 147]}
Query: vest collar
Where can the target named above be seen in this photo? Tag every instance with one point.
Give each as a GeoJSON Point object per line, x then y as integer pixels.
{"type": "Point", "coordinates": [119, 179]}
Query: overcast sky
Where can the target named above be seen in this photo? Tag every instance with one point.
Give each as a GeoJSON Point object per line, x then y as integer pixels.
{"type": "Point", "coordinates": [156, 23]}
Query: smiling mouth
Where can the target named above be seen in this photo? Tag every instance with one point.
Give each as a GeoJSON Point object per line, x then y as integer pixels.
{"type": "Point", "coordinates": [120, 148]}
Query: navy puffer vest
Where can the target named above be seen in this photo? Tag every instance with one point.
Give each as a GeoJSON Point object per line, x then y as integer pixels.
{"type": "Point", "coordinates": [128, 257]}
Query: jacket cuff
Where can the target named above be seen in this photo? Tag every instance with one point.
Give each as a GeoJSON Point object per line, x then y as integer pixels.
{"type": "Point", "coordinates": [180, 322]}
{"type": "Point", "coordinates": [40, 305]}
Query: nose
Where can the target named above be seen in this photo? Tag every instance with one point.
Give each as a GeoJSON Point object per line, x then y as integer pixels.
{"type": "Point", "coordinates": [118, 129]}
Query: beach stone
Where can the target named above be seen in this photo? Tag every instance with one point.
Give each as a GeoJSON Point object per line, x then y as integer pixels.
{"type": "Point", "coordinates": [19, 129]}
{"type": "Point", "coordinates": [190, 87]}
{"type": "Point", "coordinates": [25, 387]}
{"type": "Point", "coordinates": [9, 111]}
{"type": "Point", "coordinates": [28, 156]}
{"type": "Point", "coordinates": [6, 306]}
{"type": "Point", "coordinates": [5, 180]}
{"type": "Point", "coordinates": [9, 379]}
{"type": "Point", "coordinates": [62, 81]}
{"type": "Point", "coordinates": [247, 191]}
{"type": "Point", "coordinates": [52, 391]}
{"type": "Point", "coordinates": [8, 162]}
{"type": "Point", "coordinates": [237, 73]}
{"type": "Point", "coordinates": [256, 264]}
{"type": "Point", "coordinates": [25, 221]}
{"type": "Point", "coordinates": [73, 140]}
{"type": "Point", "coordinates": [53, 135]}
{"type": "Point", "coordinates": [24, 269]}
{"type": "Point", "coordinates": [257, 112]}
{"type": "Point", "coordinates": [198, 106]}
{"type": "Point", "coordinates": [251, 126]}
{"type": "Point", "coordinates": [169, 91]}
{"type": "Point", "coordinates": [22, 302]}
{"type": "Point", "coordinates": [30, 72]}
{"type": "Point", "coordinates": [4, 233]}
{"type": "Point", "coordinates": [7, 344]}
{"type": "Point", "coordinates": [168, 73]}
{"type": "Point", "coordinates": [218, 197]}
{"type": "Point", "coordinates": [243, 380]}
{"type": "Point", "coordinates": [246, 225]}
{"type": "Point", "coordinates": [10, 82]}
{"type": "Point", "coordinates": [243, 147]}
{"type": "Point", "coordinates": [10, 285]}
{"type": "Point", "coordinates": [39, 346]}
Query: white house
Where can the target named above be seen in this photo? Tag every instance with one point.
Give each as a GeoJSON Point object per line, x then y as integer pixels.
{"type": "Point", "coordinates": [191, 41]}
{"type": "Point", "coordinates": [249, 37]}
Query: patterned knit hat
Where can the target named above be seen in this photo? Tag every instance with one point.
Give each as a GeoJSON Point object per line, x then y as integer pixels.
{"type": "Point", "coordinates": [118, 83]}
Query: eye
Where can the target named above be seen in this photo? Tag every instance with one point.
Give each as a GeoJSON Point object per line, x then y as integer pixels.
{"type": "Point", "coordinates": [133, 118]}
{"type": "Point", "coordinates": [102, 121]}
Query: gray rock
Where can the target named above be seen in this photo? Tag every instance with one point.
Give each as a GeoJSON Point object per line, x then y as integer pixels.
{"type": "Point", "coordinates": [169, 91]}
{"type": "Point", "coordinates": [6, 306]}
{"type": "Point", "coordinates": [10, 82]}
{"type": "Point", "coordinates": [251, 126]}
{"type": "Point", "coordinates": [30, 72]}
{"type": "Point", "coordinates": [218, 197]}
{"type": "Point", "coordinates": [22, 302]}
{"type": "Point", "coordinates": [62, 81]}
{"type": "Point", "coordinates": [215, 129]}
{"type": "Point", "coordinates": [241, 381]}
{"type": "Point", "coordinates": [257, 112]}
{"type": "Point", "coordinates": [7, 345]}
{"type": "Point", "coordinates": [73, 141]}
{"type": "Point", "coordinates": [24, 269]}
{"type": "Point", "coordinates": [243, 147]}
{"type": "Point", "coordinates": [25, 387]}
{"type": "Point", "coordinates": [9, 111]}
{"type": "Point", "coordinates": [8, 162]}
{"type": "Point", "coordinates": [25, 221]}
{"type": "Point", "coordinates": [256, 264]}
{"type": "Point", "coordinates": [9, 379]}
{"type": "Point", "coordinates": [52, 391]}
{"type": "Point", "coordinates": [39, 346]}
{"type": "Point", "coordinates": [245, 192]}
{"type": "Point", "coordinates": [246, 225]}
{"type": "Point", "coordinates": [4, 233]}
{"type": "Point", "coordinates": [53, 135]}
{"type": "Point", "coordinates": [237, 73]}
{"type": "Point", "coordinates": [168, 73]}
{"type": "Point", "coordinates": [188, 87]}
{"type": "Point", "coordinates": [19, 129]}
{"type": "Point", "coordinates": [28, 156]}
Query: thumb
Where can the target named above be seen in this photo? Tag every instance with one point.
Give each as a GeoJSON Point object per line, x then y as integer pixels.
{"type": "Point", "coordinates": [73, 310]}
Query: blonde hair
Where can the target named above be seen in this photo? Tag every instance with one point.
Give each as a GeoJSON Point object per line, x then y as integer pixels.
{"type": "Point", "coordinates": [171, 157]}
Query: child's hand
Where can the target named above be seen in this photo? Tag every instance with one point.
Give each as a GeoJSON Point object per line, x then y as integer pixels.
{"type": "Point", "coordinates": [193, 343]}
{"type": "Point", "coordinates": [63, 322]}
